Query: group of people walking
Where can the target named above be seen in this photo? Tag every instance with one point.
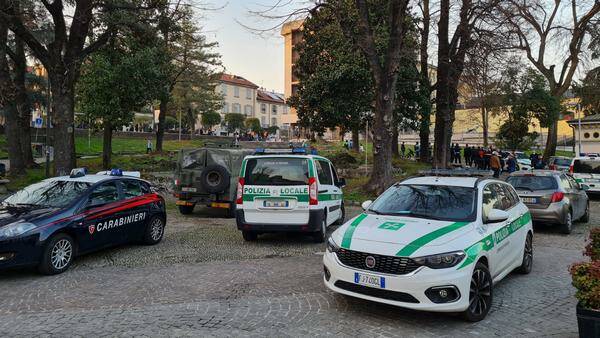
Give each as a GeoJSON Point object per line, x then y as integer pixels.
{"type": "Point", "coordinates": [484, 158]}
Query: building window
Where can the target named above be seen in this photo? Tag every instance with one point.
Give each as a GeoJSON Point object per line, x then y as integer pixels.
{"type": "Point", "coordinates": [236, 108]}
{"type": "Point", "coordinates": [596, 135]}
{"type": "Point", "coordinates": [236, 91]}
{"type": "Point", "coordinates": [248, 109]}
{"type": "Point", "coordinates": [285, 110]}
{"type": "Point", "coordinates": [274, 109]}
{"type": "Point", "coordinates": [273, 121]}
{"type": "Point", "coordinates": [263, 108]}
{"type": "Point", "coordinates": [223, 89]}
{"type": "Point", "coordinates": [586, 135]}
{"type": "Point", "coordinates": [248, 93]}
{"type": "Point", "coordinates": [263, 121]}
{"type": "Point", "coordinates": [225, 108]}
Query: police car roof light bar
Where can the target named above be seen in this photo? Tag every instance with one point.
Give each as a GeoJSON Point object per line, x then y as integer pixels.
{"type": "Point", "coordinates": [268, 151]}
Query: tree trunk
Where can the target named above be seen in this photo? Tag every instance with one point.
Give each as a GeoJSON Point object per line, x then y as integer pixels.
{"type": "Point", "coordinates": [12, 130]}
{"type": "Point", "coordinates": [107, 145]}
{"type": "Point", "coordinates": [551, 141]}
{"type": "Point", "coordinates": [425, 122]}
{"type": "Point", "coordinates": [162, 116]}
{"type": "Point", "coordinates": [23, 107]}
{"type": "Point", "coordinates": [62, 124]}
{"type": "Point", "coordinates": [424, 135]}
{"type": "Point", "coordinates": [395, 150]}
{"type": "Point", "coordinates": [485, 125]}
{"type": "Point", "coordinates": [381, 173]}
{"type": "Point", "coordinates": [355, 140]}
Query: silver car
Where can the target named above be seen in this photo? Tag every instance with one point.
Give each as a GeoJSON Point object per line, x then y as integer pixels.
{"type": "Point", "coordinates": [552, 197]}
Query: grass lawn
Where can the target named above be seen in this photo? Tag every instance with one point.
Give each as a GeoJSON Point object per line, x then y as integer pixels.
{"type": "Point", "coordinates": [122, 145]}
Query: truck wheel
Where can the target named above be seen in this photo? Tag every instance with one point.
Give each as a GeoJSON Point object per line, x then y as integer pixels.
{"type": "Point", "coordinates": [58, 255]}
{"type": "Point", "coordinates": [215, 178]}
{"type": "Point", "coordinates": [186, 209]}
{"type": "Point", "coordinates": [249, 236]}
{"type": "Point", "coordinates": [231, 210]}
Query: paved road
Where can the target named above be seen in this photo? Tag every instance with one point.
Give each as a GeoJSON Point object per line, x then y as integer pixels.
{"type": "Point", "coordinates": [203, 280]}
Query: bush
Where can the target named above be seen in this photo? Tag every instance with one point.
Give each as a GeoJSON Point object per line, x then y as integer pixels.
{"type": "Point", "coordinates": [586, 275]}
{"type": "Point", "coordinates": [343, 160]}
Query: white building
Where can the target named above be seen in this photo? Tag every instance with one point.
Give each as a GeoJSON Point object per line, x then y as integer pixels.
{"type": "Point", "coordinates": [272, 109]}
{"type": "Point", "coordinates": [239, 96]}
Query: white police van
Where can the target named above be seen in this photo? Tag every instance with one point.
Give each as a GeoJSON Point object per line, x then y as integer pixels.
{"type": "Point", "coordinates": [586, 170]}
{"type": "Point", "coordinates": [288, 190]}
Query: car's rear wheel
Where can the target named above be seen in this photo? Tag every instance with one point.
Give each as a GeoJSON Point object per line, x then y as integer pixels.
{"type": "Point", "coordinates": [58, 255]}
{"type": "Point", "coordinates": [527, 262]}
{"type": "Point", "coordinates": [186, 209]}
{"type": "Point", "coordinates": [249, 236]}
{"type": "Point", "coordinates": [155, 230]}
{"type": "Point", "coordinates": [567, 225]}
{"type": "Point", "coordinates": [319, 236]}
{"type": "Point", "coordinates": [480, 294]}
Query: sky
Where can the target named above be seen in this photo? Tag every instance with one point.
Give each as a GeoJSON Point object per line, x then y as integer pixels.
{"type": "Point", "coordinates": [259, 59]}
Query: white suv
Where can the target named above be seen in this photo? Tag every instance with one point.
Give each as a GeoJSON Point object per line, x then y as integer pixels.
{"type": "Point", "coordinates": [432, 243]}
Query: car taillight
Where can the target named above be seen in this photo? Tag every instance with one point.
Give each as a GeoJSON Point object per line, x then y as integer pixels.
{"type": "Point", "coordinates": [177, 182]}
{"type": "Point", "coordinates": [571, 169]}
{"type": "Point", "coordinates": [239, 199]}
{"type": "Point", "coordinates": [313, 191]}
{"type": "Point", "coordinates": [557, 197]}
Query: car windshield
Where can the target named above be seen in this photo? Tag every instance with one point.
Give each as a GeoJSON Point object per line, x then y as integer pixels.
{"type": "Point", "coordinates": [428, 201]}
{"type": "Point", "coordinates": [586, 167]}
{"type": "Point", "coordinates": [533, 182]}
{"type": "Point", "coordinates": [565, 162]}
{"type": "Point", "coordinates": [276, 171]}
{"type": "Point", "coordinates": [54, 194]}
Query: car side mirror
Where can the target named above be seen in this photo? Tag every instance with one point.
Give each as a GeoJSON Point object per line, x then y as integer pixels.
{"type": "Point", "coordinates": [341, 182]}
{"type": "Point", "coordinates": [584, 186]}
{"type": "Point", "coordinates": [497, 216]}
{"type": "Point", "coordinates": [366, 204]}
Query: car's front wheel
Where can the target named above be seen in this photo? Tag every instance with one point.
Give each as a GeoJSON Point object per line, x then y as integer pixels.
{"type": "Point", "coordinates": [527, 262]}
{"type": "Point", "coordinates": [58, 255]}
{"type": "Point", "coordinates": [480, 294]}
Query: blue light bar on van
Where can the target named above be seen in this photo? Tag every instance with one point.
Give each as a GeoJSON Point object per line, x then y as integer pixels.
{"type": "Point", "coordinates": [116, 172]}
{"type": "Point", "coordinates": [296, 151]}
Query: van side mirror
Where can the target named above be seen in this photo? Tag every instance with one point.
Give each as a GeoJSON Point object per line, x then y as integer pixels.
{"type": "Point", "coordinates": [366, 204]}
{"type": "Point", "coordinates": [341, 182]}
{"type": "Point", "coordinates": [584, 186]}
{"type": "Point", "coordinates": [497, 216]}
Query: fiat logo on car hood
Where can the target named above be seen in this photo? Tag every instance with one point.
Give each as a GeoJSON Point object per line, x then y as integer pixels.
{"type": "Point", "coordinates": [370, 262]}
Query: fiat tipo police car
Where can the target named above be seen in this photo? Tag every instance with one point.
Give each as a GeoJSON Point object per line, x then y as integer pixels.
{"type": "Point", "coordinates": [48, 223]}
{"type": "Point", "coordinates": [432, 243]}
{"type": "Point", "coordinates": [283, 190]}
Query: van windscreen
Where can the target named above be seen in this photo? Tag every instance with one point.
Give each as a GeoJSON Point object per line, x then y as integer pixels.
{"type": "Point", "coordinates": [276, 171]}
{"type": "Point", "coordinates": [586, 167]}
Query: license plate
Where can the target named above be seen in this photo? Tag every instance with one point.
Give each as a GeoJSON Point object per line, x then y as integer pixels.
{"type": "Point", "coordinates": [369, 280]}
{"type": "Point", "coordinates": [276, 204]}
{"type": "Point", "coordinates": [188, 189]}
{"type": "Point", "coordinates": [530, 200]}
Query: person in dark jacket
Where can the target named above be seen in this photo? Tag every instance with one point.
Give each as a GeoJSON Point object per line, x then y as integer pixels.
{"type": "Point", "coordinates": [467, 154]}
{"type": "Point", "coordinates": [511, 163]}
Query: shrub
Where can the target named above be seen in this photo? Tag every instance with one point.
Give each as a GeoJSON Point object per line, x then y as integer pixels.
{"type": "Point", "coordinates": [343, 160]}
{"type": "Point", "coordinates": [586, 275]}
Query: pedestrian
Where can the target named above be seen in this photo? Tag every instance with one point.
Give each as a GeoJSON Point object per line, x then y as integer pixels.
{"type": "Point", "coordinates": [148, 145]}
{"type": "Point", "coordinates": [495, 164]}
{"type": "Point", "coordinates": [481, 154]}
{"type": "Point", "coordinates": [467, 155]}
{"type": "Point", "coordinates": [350, 144]}
{"type": "Point", "coordinates": [457, 154]}
{"type": "Point", "coordinates": [346, 144]}
{"type": "Point", "coordinates": [451, 153]}
{"type": "Point", "coordinates": [402, 149]}
{"type": "Point", "coordinates": [511, 163]}
{"type": "Point", "coordinates": [417, 150]}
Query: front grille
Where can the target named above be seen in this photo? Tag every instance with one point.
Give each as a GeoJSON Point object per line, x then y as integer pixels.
{"type": "Point", "coordinates": [385, 264]}
{"type": "Point", "coordinates": [377, 293]}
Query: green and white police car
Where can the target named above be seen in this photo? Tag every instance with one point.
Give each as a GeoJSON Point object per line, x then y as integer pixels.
{"type": "Point", "coordinates": [434, 243]}
{"type": "Point", "coordinates": [288, 190]}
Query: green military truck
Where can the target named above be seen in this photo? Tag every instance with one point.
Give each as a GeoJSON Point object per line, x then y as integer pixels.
{"type": "Point", "coordinates": [208, 176]}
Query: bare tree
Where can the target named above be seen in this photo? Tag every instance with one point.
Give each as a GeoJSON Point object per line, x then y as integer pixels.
{"type": "Point", "coordinates": [540, 32]}
{"type": "Point", "coordinates": [425, 83]}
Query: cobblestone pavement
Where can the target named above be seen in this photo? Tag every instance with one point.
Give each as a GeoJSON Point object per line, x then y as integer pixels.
{"type": "Point", "coordinates": [203, 280]}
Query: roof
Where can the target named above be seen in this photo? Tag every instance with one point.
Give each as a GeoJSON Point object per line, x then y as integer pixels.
{"type": "Point", "coordinates": [272, 97]}
{"type": "Point", "coordinates": [453, 181]}
{"type": "Point", "coordinates": [586, 119]}
{"type": "Point", "coordinates": [237, 80]}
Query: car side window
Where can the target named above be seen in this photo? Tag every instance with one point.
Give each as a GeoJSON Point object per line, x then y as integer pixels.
{"type": "Point", "coordinates": [104, 194]}
{"type": "Point", "coordinates": [573, 183]}
{"type": "Point", "coordinates": [132, 189]}
{"type": "Point", "coordinates": [335, 175]}
{"type": "Point", "coordinates": [511, 201]}
{"type": "Point", "coordinates": [324, 172]}
{"type": "Point", "coordinates": [564, 182]}
{"type": "Point", "coordinates": [503, 202]}
{"type": "Point", "coordinates": [490, 198]}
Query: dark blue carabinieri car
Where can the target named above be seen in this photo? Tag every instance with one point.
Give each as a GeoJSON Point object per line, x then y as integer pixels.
{"type": "Point", "coordinates": [49, 223]}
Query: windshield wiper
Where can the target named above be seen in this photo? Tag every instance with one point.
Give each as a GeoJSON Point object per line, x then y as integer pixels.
{"type": "Point", "coordinates": [526, 188]}
{"type": "Point", "coordinates": [416, 214]}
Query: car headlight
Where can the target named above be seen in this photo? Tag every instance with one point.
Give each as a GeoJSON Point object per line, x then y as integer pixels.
{"type": "Point", "coordinates": [441, 261]}
{"type": "Point", "coordinates": [331, 246]}
{"type": "Point", "coordinates": [15, 229]}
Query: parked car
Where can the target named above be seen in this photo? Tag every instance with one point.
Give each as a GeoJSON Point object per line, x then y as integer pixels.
{"type": "Point", "coordinates": [560, 163]}
{"type": "Point", "coordinates": [586, 170]}
{"type": "Point", "coordinates": [552, 197]}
